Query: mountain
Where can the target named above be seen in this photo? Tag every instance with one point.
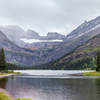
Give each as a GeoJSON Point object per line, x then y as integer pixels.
{"type": "Point", "coordinates": [12, 32]}
{"type": "Point", "coordinates": [19, 55]}
{"type": "Point", "coordinates": [77, 37]}
{"type": "Point", "coordinates": [81, 57]}
{"type": "Point", "coordinates": [54, 36]}
{"type": "Point", "coordinates": [49, 41]}
{"type": "Point", "coordinates": [30, 34]}
{"type": "Point", "coordinates": [85, 27]}
{"type": "Point", "coordinates": [30, 38]}
{"type": "Point", "coordinates": [34, 49]}
{"type": "Point", "coordinates": [6, 43]}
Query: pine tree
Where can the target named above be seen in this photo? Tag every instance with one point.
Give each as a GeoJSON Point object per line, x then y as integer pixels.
{"type": "Point", "coordinates": [98, 61]}
{"type": "Point", "coordinates": [2, 60]}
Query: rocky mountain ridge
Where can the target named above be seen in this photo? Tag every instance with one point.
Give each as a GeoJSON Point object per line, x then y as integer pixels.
{"type": "Point", "coordinates": [82, 57]}
{"type": "Point", "coordinates": [17, 35]}
{"type": "Point", "coordinates": [51, 51]}
{"type": "Point", "coordinates": [77, 37]}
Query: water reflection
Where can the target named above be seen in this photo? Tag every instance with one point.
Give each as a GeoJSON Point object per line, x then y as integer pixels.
{"type": "Point", "coordinates": [97, 87]}
{"type": "Point", "coordinates": [53, 89]}
{"type": "Point", "coordinates": [3, 83]}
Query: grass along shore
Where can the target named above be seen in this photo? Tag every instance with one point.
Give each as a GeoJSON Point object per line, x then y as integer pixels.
{"type": "Point", "coordinates": [6, 96]}
{"type": "Point", "coordinates": [91, 74]}
{"type": "Point", "coordinates": [7, 74]}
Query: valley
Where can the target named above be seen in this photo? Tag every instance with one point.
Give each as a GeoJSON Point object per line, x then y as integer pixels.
{"type": "Point", "coordinates": [54, 51]}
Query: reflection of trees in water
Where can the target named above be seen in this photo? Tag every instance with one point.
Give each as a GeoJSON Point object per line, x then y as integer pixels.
{"type": "Point", "coordinates": [97, 82]}
{"type": "Point", "coordinates": [83, 89]}
{"type": "Point", "coordinates": [3, 83]}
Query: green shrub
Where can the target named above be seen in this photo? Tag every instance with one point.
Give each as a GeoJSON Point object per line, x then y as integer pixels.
{"type": "Point", "coordinates": [4, 96]}
{"type": "Point", "coordinates": [23, 99]}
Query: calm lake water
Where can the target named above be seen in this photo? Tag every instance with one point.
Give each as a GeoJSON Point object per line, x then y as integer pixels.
{"type": "Point", "coordinates": [53, 86]}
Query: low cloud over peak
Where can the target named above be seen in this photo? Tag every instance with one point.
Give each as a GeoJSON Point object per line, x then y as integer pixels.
{"type": "Point", "coordinates": [48, 15]}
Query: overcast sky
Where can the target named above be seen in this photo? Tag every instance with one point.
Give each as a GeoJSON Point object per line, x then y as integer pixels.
{"type": "Point", "coordinates": [48, 15]}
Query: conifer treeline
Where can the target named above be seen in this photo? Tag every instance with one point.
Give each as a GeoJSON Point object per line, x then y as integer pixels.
{"type": "Point", "coordinates": [3, 65]}
{"type": "Point", "coordinates": [98, 61]}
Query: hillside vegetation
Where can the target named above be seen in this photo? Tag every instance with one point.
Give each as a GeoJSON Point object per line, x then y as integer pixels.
{"type": "Point", "coordinates": [83, 57]}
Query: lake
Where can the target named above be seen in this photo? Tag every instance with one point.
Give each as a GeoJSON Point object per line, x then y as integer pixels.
{"type": "Point", "coordinates": [52, 85]}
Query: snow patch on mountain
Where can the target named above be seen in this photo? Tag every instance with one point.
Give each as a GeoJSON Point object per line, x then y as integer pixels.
{"type": "Point", "coordinates": [36, 40]}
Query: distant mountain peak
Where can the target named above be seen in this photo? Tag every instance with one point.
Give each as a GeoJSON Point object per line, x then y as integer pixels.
{"type": "Point", "coordinates": [84, 24]}
{"type": "Point", "coordinates": [32, 34]}
{"type": "Point", "coordinates": [55, 35]}
{"type": "Point", "coordinates": [85, 27]}
{"type": "Point", "coordinates": [2, 36]}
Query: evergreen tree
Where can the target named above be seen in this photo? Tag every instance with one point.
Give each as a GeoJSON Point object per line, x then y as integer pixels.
{"type": "Point", "coordinates": [98, 61]}
{"type": "Point", "coordinates": [2, 60]}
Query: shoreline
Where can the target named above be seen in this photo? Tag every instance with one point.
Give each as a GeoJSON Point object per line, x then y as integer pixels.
{"type": "Point", "coordinates": [3, 92]}
{"type": "Point", "coordinates": [4, 76]}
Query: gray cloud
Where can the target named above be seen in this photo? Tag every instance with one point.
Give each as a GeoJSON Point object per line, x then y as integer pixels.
{"type": "Point", "coordinates": [48, 15]}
